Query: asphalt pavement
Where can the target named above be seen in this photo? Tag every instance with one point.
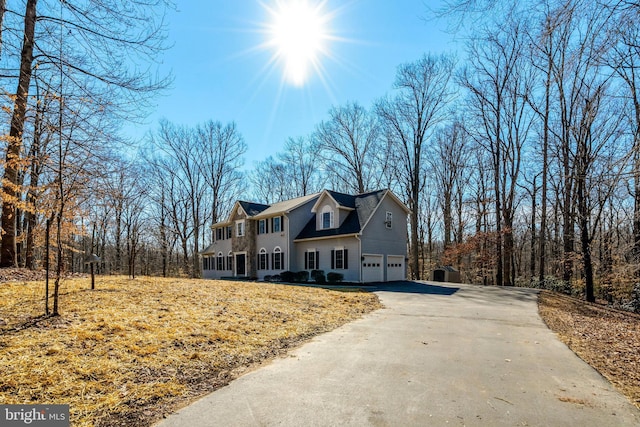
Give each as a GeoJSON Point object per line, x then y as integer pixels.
{"type": "Point", "coordinates": [436, 355]}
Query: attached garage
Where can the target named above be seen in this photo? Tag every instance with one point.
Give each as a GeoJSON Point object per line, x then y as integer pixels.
{"type": "Point", "coordinates": [372, 268]}
{"type": "Point", "coordinates": [395, 268]}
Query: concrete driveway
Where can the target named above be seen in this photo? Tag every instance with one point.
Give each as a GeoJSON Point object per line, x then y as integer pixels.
{"type": "Point", "coordinates": [437, 355]}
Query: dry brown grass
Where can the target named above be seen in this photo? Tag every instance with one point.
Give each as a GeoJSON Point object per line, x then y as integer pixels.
{"type": "Point", "coordinates": [132, 351]}
{"type": "Point", "coordinates": [608, 340]}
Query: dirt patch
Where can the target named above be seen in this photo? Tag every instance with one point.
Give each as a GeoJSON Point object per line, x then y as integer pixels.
{"type": "Point", "coordinates": [133, 351]}
{"type": "Point", "coordinates": [607, 339]}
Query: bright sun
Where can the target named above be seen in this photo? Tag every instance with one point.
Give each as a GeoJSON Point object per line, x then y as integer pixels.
{"type": "Point", "coordinates": [298, 34]}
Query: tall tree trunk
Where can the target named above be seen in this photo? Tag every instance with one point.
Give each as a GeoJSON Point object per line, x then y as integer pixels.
{"type": "Point", "coordinates": [585, 241]}
{"type": "Point", "coordinates": [3, 9]}
{"type": "Point", "coordinates": [532, 266]}
{"type": "Point", "coordinates": [415, 190]}
{"type": "Point", "coordinates": [163, 237]}
{"type": "Point", "coordinates": [447, 218]}
{"type": "Point", "coordinates": [508, 247]}
{"type": "Point", "coordinates": [545, 171]}
{"type": "Point", "coordinates": [118, 236]}
{"type": "Point", "coordinates": [636, 181]}
{"type": "Point", "coordinates": [415, 260]}
{"type": "Point", "coordinates": [30, 220]}
{"type": "Point", "coordinates": [568, 234]}
{"type": "Point", "coordinates": [14, 145]}
{"type": "Point", "coordinates": [496, 174]}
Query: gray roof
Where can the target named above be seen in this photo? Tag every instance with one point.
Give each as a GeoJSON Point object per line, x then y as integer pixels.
{"type": "Point", "coordinates": [364, 206]}
{"type": "Point", "coordinates": [209, 250]}
{"type": "Point", "coordinates": [251, 208]}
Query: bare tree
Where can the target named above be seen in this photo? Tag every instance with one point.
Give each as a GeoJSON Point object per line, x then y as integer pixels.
{"type": "Point", "coordinates": [624, 59]}
{"type": "Point", "coordinates": [89, 45]}
{"type": "Point", "coordinates": [178, 154]}
{"type": "Point", "coordinates": [12, 160]}
{"type": "Point", "coordinates": [220, 151]}
{"type": "Point", "coordinates": [409, 119]}
{"type": "Point", "coordinates": [349, 143]}
{"type": "Point", "coordinates": [448, 164]}
{"type": "Point", "coordinates": [295, 172]}
{"type": "Point", "coordinates": [498, 81]}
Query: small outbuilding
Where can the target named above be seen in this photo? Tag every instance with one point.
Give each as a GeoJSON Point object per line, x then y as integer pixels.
{"type": "Point", "coordinates": [446, 274]}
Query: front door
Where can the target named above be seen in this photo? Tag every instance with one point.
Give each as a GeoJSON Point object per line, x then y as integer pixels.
{"type": "Point", "coordinates": [241, 264]}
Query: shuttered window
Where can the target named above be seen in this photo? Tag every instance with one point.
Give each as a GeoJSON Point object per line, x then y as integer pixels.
{"type": "Point", "coordinates": [340, 259]}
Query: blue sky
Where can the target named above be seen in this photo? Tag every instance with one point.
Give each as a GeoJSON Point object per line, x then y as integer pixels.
{"type": "Point", "coordinates": [221, 73]}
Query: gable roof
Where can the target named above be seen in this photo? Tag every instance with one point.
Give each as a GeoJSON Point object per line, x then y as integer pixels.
{"type": "Point", "coordinates": [363, 205]}
{"type": "Point", "coordinates": [285, 206]}
{"type": "Point", "coordinates": [342, 200]}
{"type": "Point", "coordinates": [251, 208]}
{"type": "Point", "coordinates": [211, 249]}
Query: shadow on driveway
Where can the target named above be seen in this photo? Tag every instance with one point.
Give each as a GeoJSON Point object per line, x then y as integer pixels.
{"type": "Point", "coordinates": [412, 288]}
{"type": "Point", "coordinates": [402, 286]}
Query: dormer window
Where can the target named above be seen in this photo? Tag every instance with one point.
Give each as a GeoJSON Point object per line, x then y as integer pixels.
{"type": "Point", "coordinates": [327, 217]}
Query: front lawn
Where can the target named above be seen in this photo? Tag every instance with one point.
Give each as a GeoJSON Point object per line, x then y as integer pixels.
{"type": "Point", "coordinates": [132, 351]}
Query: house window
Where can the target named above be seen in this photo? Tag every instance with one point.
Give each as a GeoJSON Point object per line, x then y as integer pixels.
{"type": "Point", "coordinates": [220, 262]}
{"type": "Point", "coordinates": [311, 260]}
{"type": "Point", "coordinates": [388, 219]}
{"type": "Point", "coordinates": [277, 259]}
{"type": "Point", "coordinates": [263, 260]}
{"type": "Point", "coordinates": [230, 261]}
{"type": "Point", "coordinates": [240, 228]}
{"type": "Point", "coordinates": [339, 259]}
{"type": "Point", "coordinates": [219, 233]}
{"type": "Point", "coordinates": [277, 224]}
{"type": "Point", "coordinates": [229, 231]}
{"type": "Point", "coordinates": [205, 263]}
{"type": "Point", "coordinates": [262, 226]}
{"type": "Point", "coordinates": [327, 217]}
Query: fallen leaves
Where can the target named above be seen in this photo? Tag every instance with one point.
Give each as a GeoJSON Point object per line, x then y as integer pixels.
{"type": "Point", "coordinates": [607, 339]}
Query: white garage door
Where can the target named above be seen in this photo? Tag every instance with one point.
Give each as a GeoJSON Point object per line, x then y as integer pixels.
{"type": "Point", "coordinates": [395, 268]}
{"type": "Point", "coordinates": [373, 268]}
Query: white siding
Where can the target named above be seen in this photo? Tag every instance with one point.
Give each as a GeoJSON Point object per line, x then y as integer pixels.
{"type": "Point", "coordinates": [372, 268]}
{"type": "Point", "coordinates": [396, 269]}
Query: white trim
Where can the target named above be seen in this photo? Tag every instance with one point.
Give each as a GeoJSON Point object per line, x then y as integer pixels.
{"type": "Point", "coordinates": [244, 231]}
{"type": "Point", "coordinates": [315, 207]}
{"type": "Point", "coordinates": [235, 263]}
{"type": "Point", "coordinates": [388, 220]}
{"type": "Point", "coordinates": [278, 250]}
{"type": "Point", "coordinates": [263, 222]}
{"type": "Point", "coordinates": [337, 236]}
{"type": "Point", "coordinates": [327, 209]}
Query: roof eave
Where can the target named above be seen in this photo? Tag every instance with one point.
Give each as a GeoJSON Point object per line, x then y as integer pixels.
{"type": "Point", "coordinates": [308, 239]}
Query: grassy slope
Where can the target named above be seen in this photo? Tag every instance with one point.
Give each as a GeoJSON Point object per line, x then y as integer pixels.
{"type": "Point", "coordinates": [133, 350]}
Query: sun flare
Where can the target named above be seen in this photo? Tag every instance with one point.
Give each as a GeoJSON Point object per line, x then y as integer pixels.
{"type": "Point", "coordinates": [298, 34]}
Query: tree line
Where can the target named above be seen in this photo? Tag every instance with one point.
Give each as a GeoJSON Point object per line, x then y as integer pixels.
{"type": "Point", "coordinates": [519, 158]}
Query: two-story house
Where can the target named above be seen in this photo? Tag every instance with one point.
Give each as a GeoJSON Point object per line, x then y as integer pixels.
{"type": "Point", "coordinates": [363, 237]}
